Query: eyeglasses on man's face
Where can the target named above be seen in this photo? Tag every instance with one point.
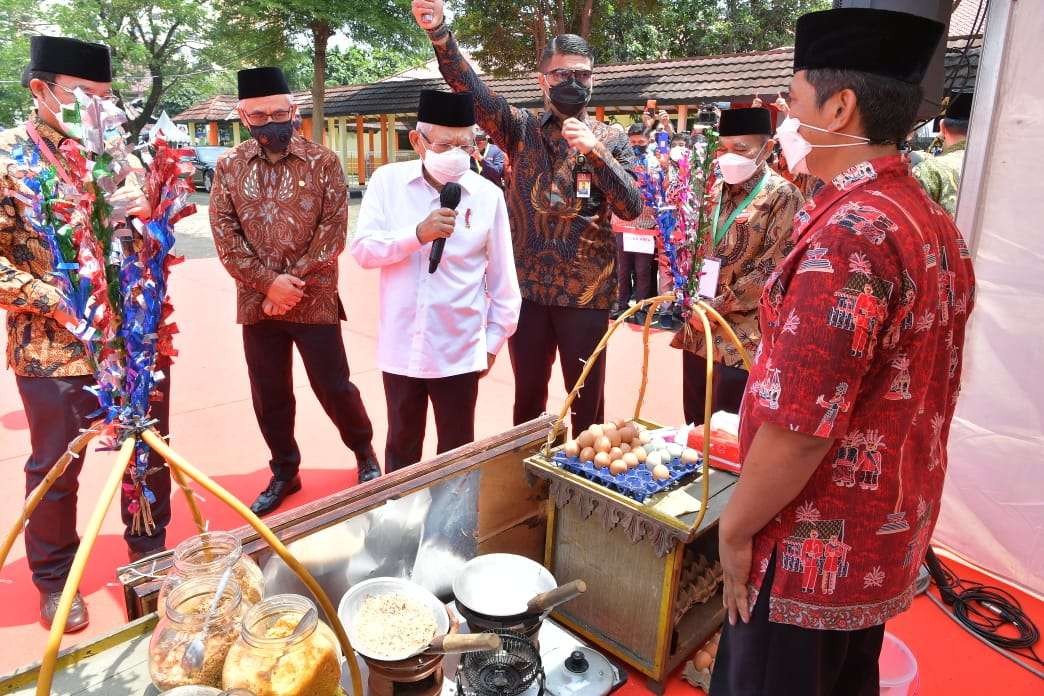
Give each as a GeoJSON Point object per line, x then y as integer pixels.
{"type": "Point", "coordinates": [445, 146]}
{"type": "Point", "coordinates": [561, 75]}
{"type": "Point", "coordinates": [71, 92]}
{"type": "Point", "coordinates": [262, 118]}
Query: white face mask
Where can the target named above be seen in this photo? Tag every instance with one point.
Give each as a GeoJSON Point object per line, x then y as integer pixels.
{"type": "Point", "coordinates": [796, 148]}
{"type": "Point", "coordinates": [735, 169]}
{"type": "Point", "coordinates": [445, 167]}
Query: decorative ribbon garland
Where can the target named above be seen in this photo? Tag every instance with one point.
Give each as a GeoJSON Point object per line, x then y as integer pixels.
{"type": "Point", "coordinates": [111, 270]}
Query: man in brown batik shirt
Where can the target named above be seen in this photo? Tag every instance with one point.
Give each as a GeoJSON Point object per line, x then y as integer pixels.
{"type": "Point", "coordinates": [565, 249]}
{"type": "Point", "coordinates": [279, 213]}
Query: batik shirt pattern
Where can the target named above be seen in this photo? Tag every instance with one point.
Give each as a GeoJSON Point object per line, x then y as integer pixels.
{"type": "Point", "coordinates": [941, 176]}
{"type": "Point", "coordinates": [749, 252]}
{"type": "Point", "coordinates": [37, 346]}
{"type": "Point", "coordinates": [863, 333]}
{"type": "Point", "coordinates": [287, 216]}
{"type": "Point", "coordinates": [565, 252]}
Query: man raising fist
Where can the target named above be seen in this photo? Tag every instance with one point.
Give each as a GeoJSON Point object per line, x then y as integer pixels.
{"type": "Point", "coordinates": [565, 253]}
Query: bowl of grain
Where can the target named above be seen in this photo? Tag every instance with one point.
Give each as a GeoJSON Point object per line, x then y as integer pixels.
{"type": "Point", "coordinates": [391, 619]}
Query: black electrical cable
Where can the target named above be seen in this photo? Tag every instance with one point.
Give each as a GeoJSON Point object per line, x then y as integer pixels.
{"type": "Point", "coordinates": [985, 612]}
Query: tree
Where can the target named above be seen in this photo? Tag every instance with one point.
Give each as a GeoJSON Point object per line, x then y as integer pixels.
{"type": "Point", "coordinates": [352, 65]}
{"type": "Point", "coordinates": [19, 19]}
{"type": "Point", "coordinates": [154, 43]}
{"type": "Point", "coordinates": [366, 23]}
{"type": "Point", "coordinates": [624, 30]}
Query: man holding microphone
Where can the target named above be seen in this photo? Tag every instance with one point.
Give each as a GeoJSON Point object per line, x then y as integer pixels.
{"type": "Point", "coordinates": [449, 294]}
{"type": "Point", "coordinates": [570, 173]}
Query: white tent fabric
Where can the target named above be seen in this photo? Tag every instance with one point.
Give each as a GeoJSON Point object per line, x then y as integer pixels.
{"type": "Point", "coordinates": [993, 504]}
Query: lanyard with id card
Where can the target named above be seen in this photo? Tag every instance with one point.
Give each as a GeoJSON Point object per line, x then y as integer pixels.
{"type": "Point", "coordinates": [582, 178]}
{"type": "Point", "coordinates": [710, 272]}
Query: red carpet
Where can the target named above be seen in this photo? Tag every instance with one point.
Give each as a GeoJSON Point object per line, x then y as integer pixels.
{"type": "Point", "coordinates": [214, 428]}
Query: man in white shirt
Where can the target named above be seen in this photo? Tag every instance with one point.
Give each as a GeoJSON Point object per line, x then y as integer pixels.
{"type": "Point", "coordinates": [439, 332]}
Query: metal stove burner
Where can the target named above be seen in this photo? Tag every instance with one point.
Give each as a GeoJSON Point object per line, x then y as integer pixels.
{"type": "Point", "coordinates": [509, 671]}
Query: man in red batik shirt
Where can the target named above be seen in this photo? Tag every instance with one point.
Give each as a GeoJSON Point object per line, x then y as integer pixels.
{"type": "Point", "coordinates": [890, 292]}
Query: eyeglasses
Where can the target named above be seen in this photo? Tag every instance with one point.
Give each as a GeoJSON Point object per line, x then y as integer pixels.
{"type": "Point", "coordinates": [442, 147]}
{"type": "Point", "coordinates": [564, 74]}
{"type": "Point", "coordinates": [104, 95]}
{"type": "Point", "coordinates": [261, 118]}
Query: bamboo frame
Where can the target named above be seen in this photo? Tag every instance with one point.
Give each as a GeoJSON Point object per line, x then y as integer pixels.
{"type": "Point", "coordinates": [179, 469]}
{"type": "Point", "coordinates": [705, 313]}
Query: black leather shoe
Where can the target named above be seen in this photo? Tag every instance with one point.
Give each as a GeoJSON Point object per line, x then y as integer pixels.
{"type": "Point", "coordinates": [78, 617]}
{"type": "Point", "coordinates": [273, 496]}
{"type": "Point", "coordinates": [136, 556]}
{"type": "Point", "coordinates": [369, 468]}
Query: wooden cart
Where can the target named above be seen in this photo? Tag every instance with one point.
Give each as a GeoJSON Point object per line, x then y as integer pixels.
{"type": "Point", "coordinates": [631, 557]}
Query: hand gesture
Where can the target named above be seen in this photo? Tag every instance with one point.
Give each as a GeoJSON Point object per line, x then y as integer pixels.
{"type": "Point", "coordinates": [438, 225]}
{"type": "Point", "coordinates": [781, 104]}
{"type": "Point", "coordinates": [757, 103]}
{"type": "Point", "coordinates": [428, 13]}
{"type": "Point", "coordinates": [133, 201]}
{"type": "Point", "coordinates": [579, 136]}
{"type": "Point", "coordinates": [286, 291]}
{"type": "Point", "coordinates": [664, 117]}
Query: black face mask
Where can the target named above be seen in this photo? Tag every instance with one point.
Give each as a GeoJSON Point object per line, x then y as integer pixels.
{"type": "Point", "coordinates": [274, 137]}
{"type": "Point", "coordinates": [639, 150]}
{"type": "Point", "coordinates": [569, 98]}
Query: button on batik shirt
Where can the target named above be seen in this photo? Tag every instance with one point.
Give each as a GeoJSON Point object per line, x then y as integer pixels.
{"type": "Point", "coordinates": [287, 216]}
{"type": "Point", "coordinates": [863, 330]}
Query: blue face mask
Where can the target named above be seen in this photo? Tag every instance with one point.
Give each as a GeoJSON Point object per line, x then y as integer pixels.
{"type": "Point", "coordinates": [639, 150]}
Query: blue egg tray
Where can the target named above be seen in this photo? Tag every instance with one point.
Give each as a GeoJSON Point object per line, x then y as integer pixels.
{"type": "Point", "coordinates": [637, 484]}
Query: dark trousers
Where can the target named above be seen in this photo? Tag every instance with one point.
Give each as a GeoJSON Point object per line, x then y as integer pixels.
{"type": "Point", "coordinates": [269, 356]}
{"type": "Point", "coordinates": [57, 408]}
{"type": "Point", "coordinates": [638, 265]}
{"type": "Point", "coordinates": [573, 333]}
{"type": "Point", "coordinates": [762, 658]}
{"type": "Point", "coordinates": [453, 400]}
{"type": "Point", "coordinates": [729, 385]}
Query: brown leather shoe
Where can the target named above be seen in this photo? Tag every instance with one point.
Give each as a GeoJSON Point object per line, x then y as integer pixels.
{"type": "Point", "coordinates": [78, 617]}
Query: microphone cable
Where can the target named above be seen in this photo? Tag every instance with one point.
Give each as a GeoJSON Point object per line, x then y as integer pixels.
{"type": "Point", "coordinates": [990, 614]}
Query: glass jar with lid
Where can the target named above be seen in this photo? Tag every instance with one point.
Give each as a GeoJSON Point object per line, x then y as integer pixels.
{"type": "Point", "coordinates": [207, 555]}
{"type": "Point", "coordinates": [184, 619]}
{"type": "Point", "coordinates": [269, 660]}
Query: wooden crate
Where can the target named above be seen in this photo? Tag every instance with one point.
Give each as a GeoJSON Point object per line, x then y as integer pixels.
{"type": "Point", "coordinates": [630, 555]}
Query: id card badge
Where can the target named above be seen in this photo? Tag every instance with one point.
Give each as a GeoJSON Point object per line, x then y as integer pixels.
{"type": "Point", "coordinates": [709, 275]}
{"type": "Point", "coordinates": [583, 184]}
{"type": "Point", "coordinates": [639, 243]}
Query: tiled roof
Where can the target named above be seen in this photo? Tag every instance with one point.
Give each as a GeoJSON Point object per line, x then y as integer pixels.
{"type": "Point", "coordinates": [962, 21]}
{"type": "Point", "coordinates": [219, 108]}
{"type": "Point", "coordinates": [736, 77]}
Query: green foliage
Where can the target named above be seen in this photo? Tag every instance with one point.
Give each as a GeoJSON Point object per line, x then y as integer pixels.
{"type": "Point", "coordinates": [17, 21]}
{"type": "Point", "coordinates": [352, 65]}
{"type": "Point", "coordinates": [624, 30]}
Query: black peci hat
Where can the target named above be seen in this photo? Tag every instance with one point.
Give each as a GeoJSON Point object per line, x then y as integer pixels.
{"type": "Point", "coordinates": [452, 109]}
{"type": "Point", "coordinates": [261, 82]}
{"type": "Point", "coordinates": [959, 108]}
{"type": "Point", "coordinates": [893, 44]}
{"type": "Point", "coordinates": [755, 121]}
{"type": "Point", "coordinates": [62, 55]}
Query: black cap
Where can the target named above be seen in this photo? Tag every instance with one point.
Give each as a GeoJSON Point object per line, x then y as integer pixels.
{"type": "Point", "coordinates": [452, 109]}
{"type": "Point", "coordinates": [893, 44]}
{"type": "Point", "coordinates": [959, 108]}
{"type": "Point", "coordinates": [261, 82]}
{"type": "Point", "coordinates": [62, 55]}
{"type": "Point", "coordinates": [754, 121]}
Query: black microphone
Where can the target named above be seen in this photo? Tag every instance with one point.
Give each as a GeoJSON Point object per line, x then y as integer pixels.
{"type": "Point", "coordinates": [448, 198]}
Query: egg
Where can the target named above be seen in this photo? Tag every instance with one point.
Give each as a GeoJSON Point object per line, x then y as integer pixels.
{"type": "Point", "coordinates": [628, 433]}
{"type": "Point", "coordinates": [675, 449]}
{"type": "Point", "coordinates": [657, 443]}
{"type": "Point", "coordinates": [630, 459]}
{"type": "Point", "coordinates": [586, 439]}
{"type": "Point", "coordinates": [587, 454]}
{"type": "Point", "coordinates": [644, 437]}
{"type": "Point", "coordinates": [615, 453]}
{"type": "Point", "coordinates": [653, 460]}
{"type": "Point", "coordinates": [622, 423]}
{"type": "Point", "coordinates": [690, 456]}
{"type": "Point", "coordinates": [597, 431]}
{"type": "Point", "coordinates": [640, 453]}
{"type": "Point", "coordinates": [625, 447]}
{"type": "Point", "coordinates": [609, 424]}
{"type": "Point", "coordinates": [572, 449]}
{"type": "Point", "coordinates": [617, 467]}
{"type": "Point", "coordinates": [614, 436]}
{"type": "Point", "coordinates": [603, 444]}
{"type": "Point", "coordinates": [661, 473]}
{"type": "Point", "coordinates": [602, 460]}
{"type": "Point", "coordinates": [702, 660]}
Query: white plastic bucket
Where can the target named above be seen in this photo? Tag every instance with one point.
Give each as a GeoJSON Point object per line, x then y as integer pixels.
{"type": "Point", "coordinates": [898, 668]}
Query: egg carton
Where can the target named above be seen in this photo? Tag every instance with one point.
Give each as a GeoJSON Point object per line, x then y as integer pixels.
{"type": "Point", "coordinates": [637, 484]}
